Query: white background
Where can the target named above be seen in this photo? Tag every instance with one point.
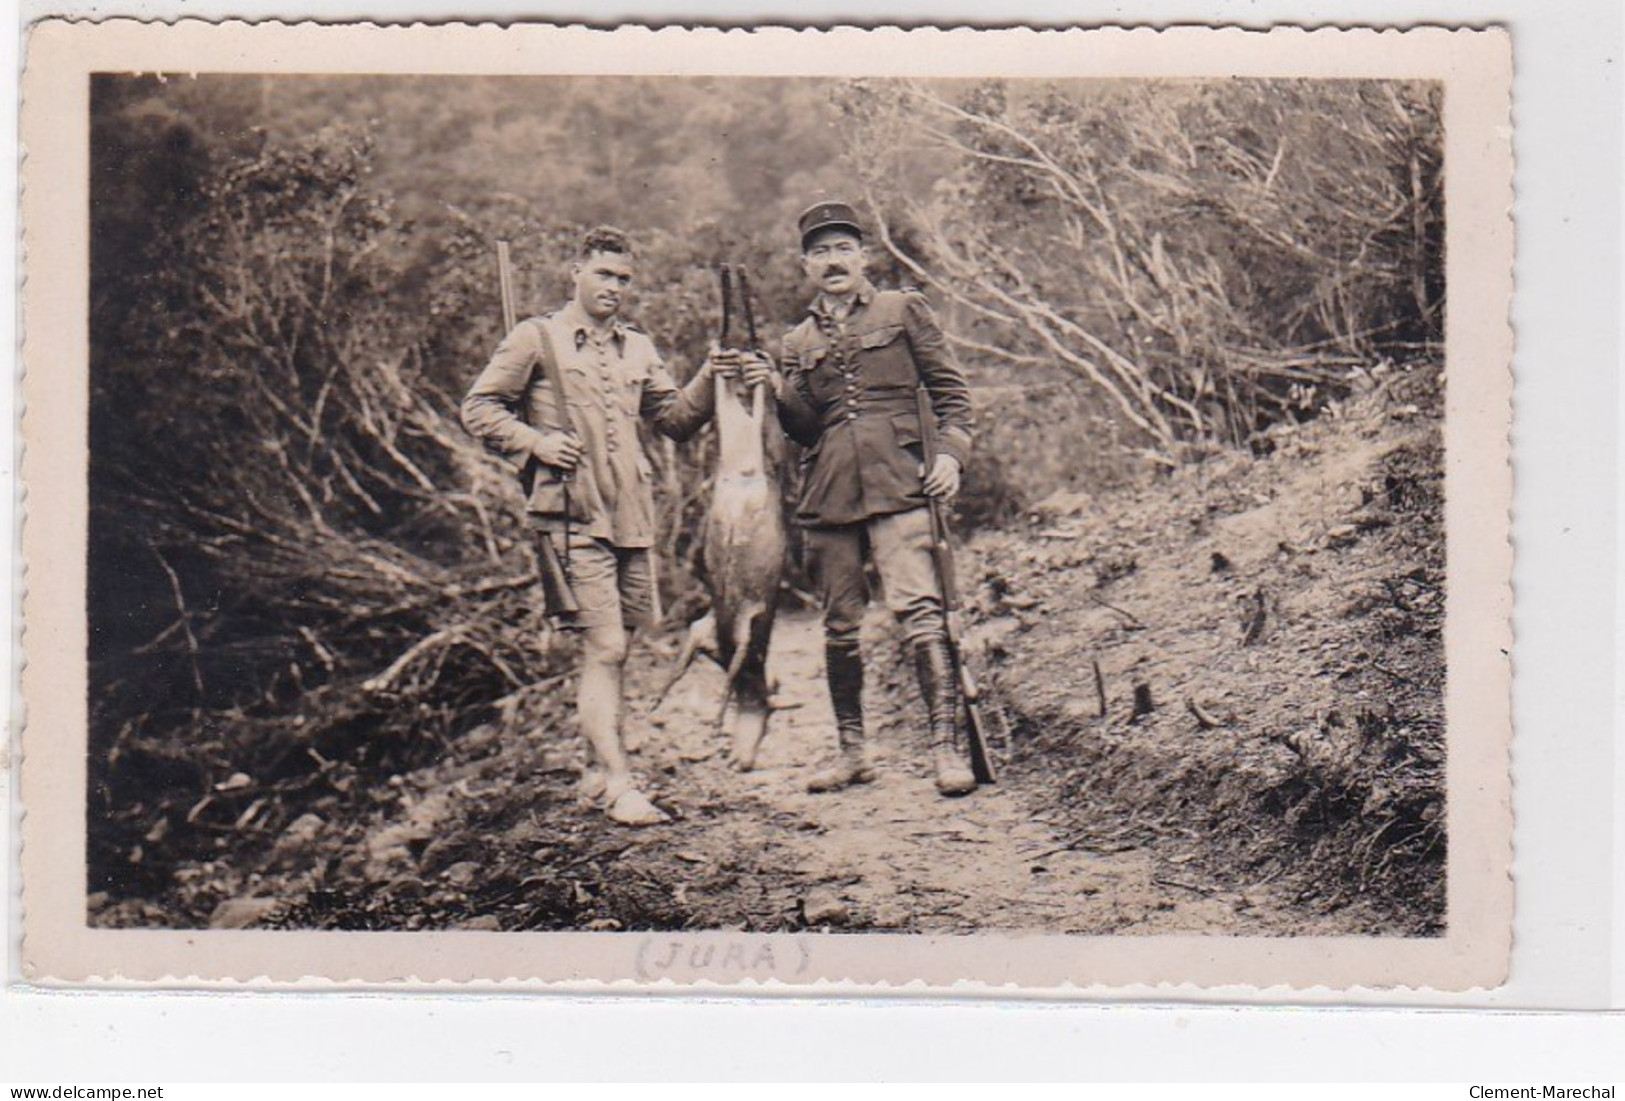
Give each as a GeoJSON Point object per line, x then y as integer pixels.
{"type": "Point", "coordinates": [1569, 775]}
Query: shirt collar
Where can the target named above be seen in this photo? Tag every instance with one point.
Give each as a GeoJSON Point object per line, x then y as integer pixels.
{"type": "Point", "coordinates": [865, 294]}
{"type": "Point", "coordinates": [581, 326]}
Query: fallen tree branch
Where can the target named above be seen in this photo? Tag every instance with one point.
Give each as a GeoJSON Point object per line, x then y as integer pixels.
{"type": "Point", "coordinates": [1205, 719]}
{"type": "Point", "coordinates": [384, 680]}
{"type": "Point", "coordinates": [1128, 615]}
{"type": "Point", "coordinates": [185, 616]}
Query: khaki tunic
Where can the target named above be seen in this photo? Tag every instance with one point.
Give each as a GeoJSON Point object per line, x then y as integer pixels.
{"type": "Point", "coordinates": [850, 397]}
{"type": "Point", "coordinates": [612, 379]}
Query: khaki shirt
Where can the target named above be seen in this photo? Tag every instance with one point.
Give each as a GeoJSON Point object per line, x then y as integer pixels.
{"type": "Point", "coordinates": [612, 378]}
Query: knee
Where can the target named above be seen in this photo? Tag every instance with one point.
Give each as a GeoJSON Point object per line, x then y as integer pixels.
{"type": "Point", "coordinates": [605, 646]}
{"type": "Point", "coordinates": [920, 620]}
{"type": "Point", "coordinates": [841, 635]}
{"type": "Point", "coordinates": [843, 619]}
{"type": "Point", "coordinates": [843, 623]}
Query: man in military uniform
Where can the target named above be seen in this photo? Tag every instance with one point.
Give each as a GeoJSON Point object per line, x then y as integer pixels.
{"type": "Point", "coordinates": [612, 376]}
{"type": "Point", "coordinates": [851, 370]}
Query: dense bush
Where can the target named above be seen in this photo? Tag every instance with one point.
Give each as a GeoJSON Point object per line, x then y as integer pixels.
{"type": "Point", "coordinates": [1208, 258]}
{"type": "Point", "coordinates": [299, 562]}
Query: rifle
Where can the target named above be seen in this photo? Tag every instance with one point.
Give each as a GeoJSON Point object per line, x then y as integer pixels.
{"type": "Point", "coordinates": [558, 598]}
{"type": "Point", "coordinates": [942, 556]}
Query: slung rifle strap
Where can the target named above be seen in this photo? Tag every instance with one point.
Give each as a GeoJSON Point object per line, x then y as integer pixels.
{"type": "Point", "coordinates": [547, 362]}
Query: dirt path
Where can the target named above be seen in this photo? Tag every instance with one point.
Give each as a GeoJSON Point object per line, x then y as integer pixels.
{"type": "Point", "coordinates": [888, 855]}
{"type": "Point", "coordinates": [1297, 598]}
{"type": "Point", "coordinates": [493, 836]}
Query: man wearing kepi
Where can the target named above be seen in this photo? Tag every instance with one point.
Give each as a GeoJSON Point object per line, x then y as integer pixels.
{"type": "Point", "coordinates": [611, 377]}
{"type": "Point", "coordinates": [851, 370]}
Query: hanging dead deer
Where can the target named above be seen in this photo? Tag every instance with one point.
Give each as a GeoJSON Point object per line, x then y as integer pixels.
{"type": "Point", "coordinates": [744, 546]}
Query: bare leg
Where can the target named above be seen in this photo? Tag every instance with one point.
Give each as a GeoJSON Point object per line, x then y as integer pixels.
{"type": "Point", "coordinates": [598, 702]}
{"type": "Point", "coordinates": [599, 706]}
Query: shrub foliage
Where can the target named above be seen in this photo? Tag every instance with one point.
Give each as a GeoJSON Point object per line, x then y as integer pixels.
{"type": "Point", "coordinates": [1206, 257]}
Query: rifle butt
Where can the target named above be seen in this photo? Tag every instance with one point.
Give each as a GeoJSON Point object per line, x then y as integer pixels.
{"type": "Point", "coordinates": [976, 726]}
{"type": "Point", "coordinates": [559, 599]}
{"type": "Point", "coordinates": [981, 760]}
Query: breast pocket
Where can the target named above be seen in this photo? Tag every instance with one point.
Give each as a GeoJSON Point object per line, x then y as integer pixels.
{"type": "Point", "coordinates": [824, 378]}
{"type": "Point", "coordinates": [632, 387]}
{"type": "Point", "coordinates": [879, 337]}
{"type": "Point", "coordinates": [810, 360]}
{"type": "Point", "coordinates": [887, 361]}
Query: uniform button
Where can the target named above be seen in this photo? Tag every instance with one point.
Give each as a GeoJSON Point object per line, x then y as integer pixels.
{"type": "Point", "coordinates": [852, 416]}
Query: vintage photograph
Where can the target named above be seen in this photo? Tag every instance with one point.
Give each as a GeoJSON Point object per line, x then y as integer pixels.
{"type": "Point", "coordinates": [851, 505]}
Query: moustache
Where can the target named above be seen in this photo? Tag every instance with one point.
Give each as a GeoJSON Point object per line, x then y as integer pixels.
{"type": "Point", "coordinates": [836, 269]}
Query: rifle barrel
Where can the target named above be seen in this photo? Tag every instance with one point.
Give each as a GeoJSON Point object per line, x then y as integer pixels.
{"type": "Point", "coordinates": [942, 557]}
{"type": "Point", "coordinates": [928, 426]}
{"type": "Point", "coordinates": [510, 309]}
{"type": "Point", "coordinates": [558, 596]}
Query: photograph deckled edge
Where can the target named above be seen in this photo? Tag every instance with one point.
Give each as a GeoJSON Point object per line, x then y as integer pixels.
{"type": "Point", "coordinates": [58, 947]}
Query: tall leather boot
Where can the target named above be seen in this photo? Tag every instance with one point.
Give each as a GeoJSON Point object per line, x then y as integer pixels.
{"type": "Point", "coordinates": [843, 668]}
{"type": "Point", "coordinates": [934, 665]}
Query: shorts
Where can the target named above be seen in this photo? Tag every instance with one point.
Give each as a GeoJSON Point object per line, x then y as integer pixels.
{"type": "Point", "coordinates": [614, 585]}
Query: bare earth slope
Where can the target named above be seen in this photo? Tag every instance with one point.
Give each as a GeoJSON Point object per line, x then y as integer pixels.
{"type": "Point", "coordinates": [1280, 621]}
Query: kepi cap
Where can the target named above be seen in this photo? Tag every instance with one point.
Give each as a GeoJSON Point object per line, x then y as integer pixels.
{"type": "Point", "coordinates": [828, 215]}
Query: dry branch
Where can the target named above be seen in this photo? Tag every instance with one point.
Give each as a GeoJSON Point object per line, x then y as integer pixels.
{"type": "Point", "coordinates": [1154, 243]}
{"type": "Point", "coordinates": [1130, 616]}
{"type": "Point", "coordinates": [1204, 718]}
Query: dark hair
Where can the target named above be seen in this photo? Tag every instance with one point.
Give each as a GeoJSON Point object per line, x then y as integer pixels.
{"type": "Point", "coordinates": [605, 239]}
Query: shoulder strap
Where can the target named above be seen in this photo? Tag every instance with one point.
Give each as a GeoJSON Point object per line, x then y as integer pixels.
{"type": "Point", "coordinates": [889, 304]}
{"type": "Point", "coordinates": [548, 363]}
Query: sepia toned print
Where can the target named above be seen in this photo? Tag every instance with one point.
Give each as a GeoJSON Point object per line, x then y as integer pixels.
{"type": "Point", "coordinates": [823, 513]}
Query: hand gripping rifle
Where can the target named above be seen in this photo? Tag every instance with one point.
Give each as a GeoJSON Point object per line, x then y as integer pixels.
{"type": "Point", "coordinates": [942, 556]}
{"type": "Point", "coordinates": [558, 598]}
